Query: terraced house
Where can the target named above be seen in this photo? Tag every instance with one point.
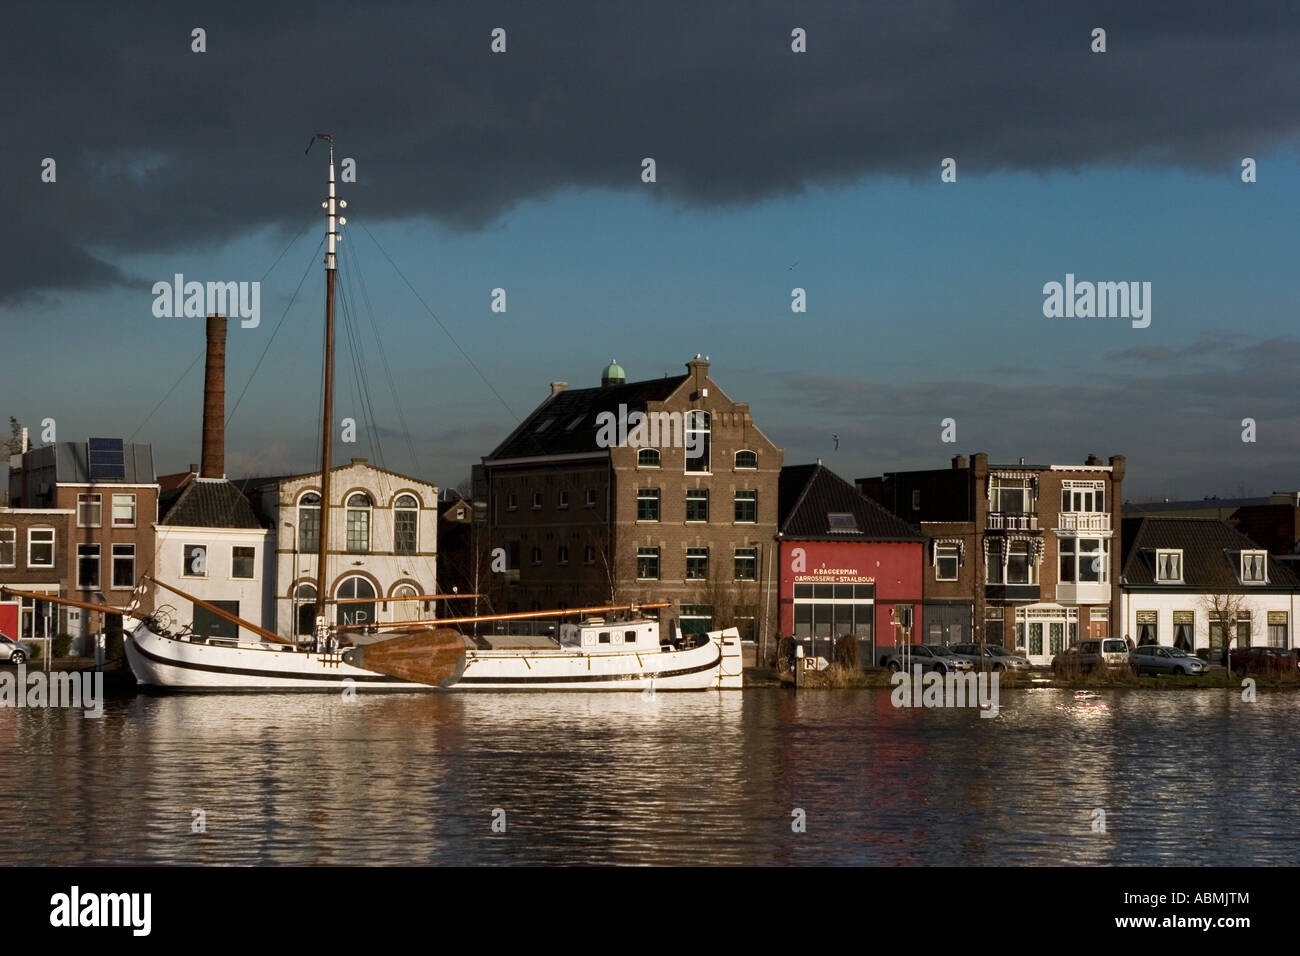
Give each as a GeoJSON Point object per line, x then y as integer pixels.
{"type": "Point", "coordinates": [683, 512]}
{"type": "Point", "coordinates": [1018, 554]}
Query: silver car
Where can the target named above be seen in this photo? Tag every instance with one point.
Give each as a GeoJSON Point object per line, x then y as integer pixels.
{"type": "Point", "coordinates": [12, 651]}
{"type": "Point", "coordinates": [1158, 659]}
{"type": "Point", "coordinates": [997, 657]}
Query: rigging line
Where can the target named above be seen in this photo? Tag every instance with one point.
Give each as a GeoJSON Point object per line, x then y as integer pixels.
{"type": "Point", "coordinates": [163, 400]}
{"type": "Point", "coordinates": [286, 248]}
{"type": "Point", "coordinates": [434, 316]}
{"type": "Point", "coordinates": [363, 397]}
{"type": "Point", "coordinates": [383, 355]}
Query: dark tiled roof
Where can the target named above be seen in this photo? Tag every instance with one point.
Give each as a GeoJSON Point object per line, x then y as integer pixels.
{"type": "Point", "coordinates": [567, 420]}
{"type": "Point", "coordinates": [1200, 504]}
{"type": "Point", "coordinates": [1210, 554]}
{"type": "Point", "coordinates": [207, 504]}
{"type": "Point", "coordinates": [807, 494]}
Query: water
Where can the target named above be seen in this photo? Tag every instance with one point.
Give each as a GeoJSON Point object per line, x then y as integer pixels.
{"type": "Point", "coordinates": [1186, 777]}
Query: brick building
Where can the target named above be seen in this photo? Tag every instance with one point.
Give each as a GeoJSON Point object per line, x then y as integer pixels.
{"type": "Point", "coordinates": [34, 557]}
{"type": "Point", "coordinates": [1018, 554]}
{"type": "Point", "coordinates": [679, 506]}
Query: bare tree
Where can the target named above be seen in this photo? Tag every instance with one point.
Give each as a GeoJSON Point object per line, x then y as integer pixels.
{"type": "Point", "coordinates": [1226, 612]}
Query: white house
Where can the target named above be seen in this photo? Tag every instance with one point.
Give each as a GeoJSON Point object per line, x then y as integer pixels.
{"type": "Point", "coordinates": [1172, 567]}
{"type": "Point", "coordinates": [383, 543]}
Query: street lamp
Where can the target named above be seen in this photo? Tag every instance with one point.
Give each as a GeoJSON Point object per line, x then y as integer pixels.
{"type": "Point", "coordinates": [293, 596]}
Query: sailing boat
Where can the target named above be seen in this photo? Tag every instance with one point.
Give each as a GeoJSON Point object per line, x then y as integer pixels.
{"type": "Point", "coordinates": [594, 654]}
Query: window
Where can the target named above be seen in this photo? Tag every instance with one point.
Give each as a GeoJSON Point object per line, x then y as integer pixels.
{"type": "Point", "coordinates": [1020, 564]}
{"type": "Point", "coordinates": [697, 564]}
{"type": "Point", "coordinates": [747, 564]}
{"type": "Point", "coordinates": [241, 562]}
{"type": "Point", "coordinates": [747, 459]}
{"type": "Point", "coordinates": [1169, 566]}
{"type": "Point", "coordinates": [1084, 560]}
{"type": "Point", "coordinates": [697, 441]}
{"type": "Point", "coordinates": [537, 555]}
{"type": "Point", "coordinates": [563, 556]}
{"type": "Point", "coordinates": [1085, 499]}
{"type": "Point", "coordinates": [1277, 630]}
{"type": "Point", "coordinates": [358, 523]}
{"type": "Point", "coordinates": [355, 612]}
{"type": "Point", "coordinates": [512, 502]}
{"type": "Point", "coordinates": [1148, 628]}
{"type": "Point", "coordinates": [123, 565]}
{"type": "Point", "coordinates": [309, 523]}
{"type": "Point", "coordinates": [647, 458]}
{"type": "Point", "coordinates": [124, 511]}
{"type": "Point", "coordinates": [40, 547]}
{"type": "Point", "coordinates": [697, 504]}
{"type": "Point", "coordinates": [8, 547]}
{"type": "Point", "coordinates": [825, 610]}
{"type": "Point", "coordinates": [647, 564]}
{"type": "Point", "coordinates": [916, 499]}
{"type": "Point", "coordinates": [945, 562]}
{"type": "Point", "coordinates": [647, 504]}
{"type": "Point", "coordinates": [994, 568]}
{"type": "Point", "coordinates": [406, 524]}
{"type": "Point", "coordinates": [304, 598]}
{"type": "Point", "coordinates": [588, 555]}
{"type": "Point", "coordinates": [1253, 565]}
{"type": "Point", "coordinates": [537, 501]}
{"type": "Point", "coordinates": [89, 508]}
{"type": "Point", "coordinates": [562, 499]}
{"type": "Point", "coordinates": [695, 618]}
{"type": "Point", "coordinates": [746, 507]}
{"type": "Point", "coordinates": [841, 522]}
{"type": "Point", "coordinates": [591, 498]}
{"type": "Point", "coordinates": [195, 561]}
{"type": "Point", "coordinates": [1012, 495]}
{"type": "Point", "coordinates": [87, 566]}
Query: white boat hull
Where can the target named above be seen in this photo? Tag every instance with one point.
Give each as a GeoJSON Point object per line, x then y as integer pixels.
{"type": "Point", "coordinates": [163, 662]}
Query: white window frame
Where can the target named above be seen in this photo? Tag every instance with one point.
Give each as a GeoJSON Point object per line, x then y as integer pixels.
{"type": "Point", "coordinates": [751, 556]}
{"type": "Point", "coordinates": [942, 551]}
{"type": "Point", "coordinates": [185, 561]}
{"type": "Point", "coordinates": [400, 509]}
{"type": "Point", "coordinates": [13, 544]}
{"type": "Point", "coordinates": [736, 499]}
{"type": "Point", "coordinates": [31, 540]}
{"type": "Point", "coordinates": [97, 555]}
{"type": "Point", "coordinates": [1263, 566]}
{"type": "Point", "coordinates": [658, 556]}
{"type": "Point", "coordinates": [1163, 552]}
{"type": "Point", "coordinates": [736, 460]}
{"type": "Point", "coordinates": [114, 558]}
{"type": "Point", "coordinates": [134, 510]}
{"type": "Point", "coordinates": [240, 577]}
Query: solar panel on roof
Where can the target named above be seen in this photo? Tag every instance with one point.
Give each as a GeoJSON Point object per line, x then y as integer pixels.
{"type": "Point", "coordinates": [107, 458]}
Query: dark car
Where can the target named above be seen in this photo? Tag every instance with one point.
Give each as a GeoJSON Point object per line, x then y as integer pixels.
{"type": "Point", "coordinates": [1263, 660]}
{"type": "Point", "coordinates": [997, 657]}
{"type": "Point", "coordinates": [1159, 659]}
{"type": "Point", "coordinates": [930, 657]}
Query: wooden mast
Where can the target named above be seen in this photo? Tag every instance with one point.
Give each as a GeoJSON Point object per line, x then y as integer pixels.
{"type": "Point", "coordinates": [331, 206]}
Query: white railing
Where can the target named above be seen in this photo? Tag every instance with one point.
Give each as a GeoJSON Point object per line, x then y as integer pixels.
{"type": "Point", "coordinates": [1007, 521]}
{"type": "Point", "coordinates": [1082, 521]}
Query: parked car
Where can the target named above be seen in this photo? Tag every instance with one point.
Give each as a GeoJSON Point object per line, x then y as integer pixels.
{"type": "Point", "coordinates": [1262, 660]}
{"type": "Point", "coordinates": [1087, 655]}
{"type": "Point", "coordinates": [12, 651]}
{"type": "Point", "coordinates": [997, 656]}
{"type": "Point", "coordinates": [1159, 659]}
{"type": "Point", "coordinates": [931, 657]}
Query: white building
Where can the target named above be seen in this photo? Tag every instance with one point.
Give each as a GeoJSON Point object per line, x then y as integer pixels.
{"type": "Point", "coordinates": [1173, 565]}
{"type": "Point", "coordinates": [383, 543]}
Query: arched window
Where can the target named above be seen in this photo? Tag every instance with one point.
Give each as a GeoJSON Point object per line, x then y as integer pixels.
{"type": "Point", "coordinates": [746, 459]}
{"type": "Point", "coordinates": [406, 524]}
{"type": "Point", "coordinates": [405, 610]}
{"type": "Point", "coordinates": [304, 600]}
{"type": "Point", "coordinates": [697, 441]}
{"type": "Point", "coordinates": [648, 458]}
{"type": "Point", "coordinates": [358, 507]}
{"type": "Point", "coordinates": [309, 523]}
{"type": "Point", "coordinates": [363, 613]}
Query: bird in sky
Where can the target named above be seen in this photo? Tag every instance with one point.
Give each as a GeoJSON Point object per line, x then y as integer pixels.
{"type": "Point", "coordinates": [836, 439]}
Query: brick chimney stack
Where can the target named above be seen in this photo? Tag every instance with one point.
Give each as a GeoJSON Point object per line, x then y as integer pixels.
{"type": "Point", "coordinates": [214, 401]}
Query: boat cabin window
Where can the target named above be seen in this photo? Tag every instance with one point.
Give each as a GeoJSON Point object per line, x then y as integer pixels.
{"type": "Point", "coordinates": [629, 637]}
{"type": "Point", "coordinates": [604, 637]}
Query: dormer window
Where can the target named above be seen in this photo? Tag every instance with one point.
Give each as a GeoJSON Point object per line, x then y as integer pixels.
{"type": "Point", "coordinates": [842, 522]}
{"type": "Point", "coordinates": [1254, 567]}
{"type": "Point", "coordinates": [1169, 567]}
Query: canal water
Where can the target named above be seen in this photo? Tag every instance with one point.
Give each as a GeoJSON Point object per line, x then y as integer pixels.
{"type": "Point", "coordinates": [763, 776]}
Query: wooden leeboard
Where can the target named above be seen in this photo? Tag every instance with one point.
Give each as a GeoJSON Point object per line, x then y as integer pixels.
{"type": "Point", "coordinates": [422, 655]}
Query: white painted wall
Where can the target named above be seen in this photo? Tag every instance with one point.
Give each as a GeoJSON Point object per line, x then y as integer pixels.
{"type": "Point", "coordinates": [218, 584]}
{"type": "Point", "coordinates": [1165, 603]}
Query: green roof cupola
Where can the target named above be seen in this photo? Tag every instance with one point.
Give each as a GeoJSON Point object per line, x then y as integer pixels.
{"type": "Point", "coordinates": [613, 374]}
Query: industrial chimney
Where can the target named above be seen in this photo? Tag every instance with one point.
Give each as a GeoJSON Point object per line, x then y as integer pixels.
{"type": "Point", "coordinates": [214, 401]}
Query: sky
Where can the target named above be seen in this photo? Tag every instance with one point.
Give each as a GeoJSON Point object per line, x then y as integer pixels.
{"type": "Point", "coordinates": [775, 170]}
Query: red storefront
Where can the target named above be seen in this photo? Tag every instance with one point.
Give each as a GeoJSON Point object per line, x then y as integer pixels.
{"type": "Point", "coordinates": [848, 566]}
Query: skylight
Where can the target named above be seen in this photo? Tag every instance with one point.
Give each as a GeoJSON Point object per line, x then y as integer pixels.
{"type": "Point", "coordinates": [841, 521]}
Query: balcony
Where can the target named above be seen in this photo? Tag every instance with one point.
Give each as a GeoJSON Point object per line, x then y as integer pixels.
{"type": "Point", "coordinates": [1012, 521]}
{"type": "Point", "coordinates": [1083, 521]}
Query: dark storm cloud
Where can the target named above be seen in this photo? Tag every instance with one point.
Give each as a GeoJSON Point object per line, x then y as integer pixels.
{"type": "Point", "coordinates": [160, 148]}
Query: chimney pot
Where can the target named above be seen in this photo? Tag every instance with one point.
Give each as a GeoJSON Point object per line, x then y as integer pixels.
{"type": "Point", "coordinates": [557, 387]}
{"type": "Point", "coordinates": [958, 462]}
{"type": "Point", "coordinates": [214, 401]}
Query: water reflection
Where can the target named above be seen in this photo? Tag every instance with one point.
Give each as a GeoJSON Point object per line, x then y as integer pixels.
{"type": "Point", "coordinates": [1182, 777]}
